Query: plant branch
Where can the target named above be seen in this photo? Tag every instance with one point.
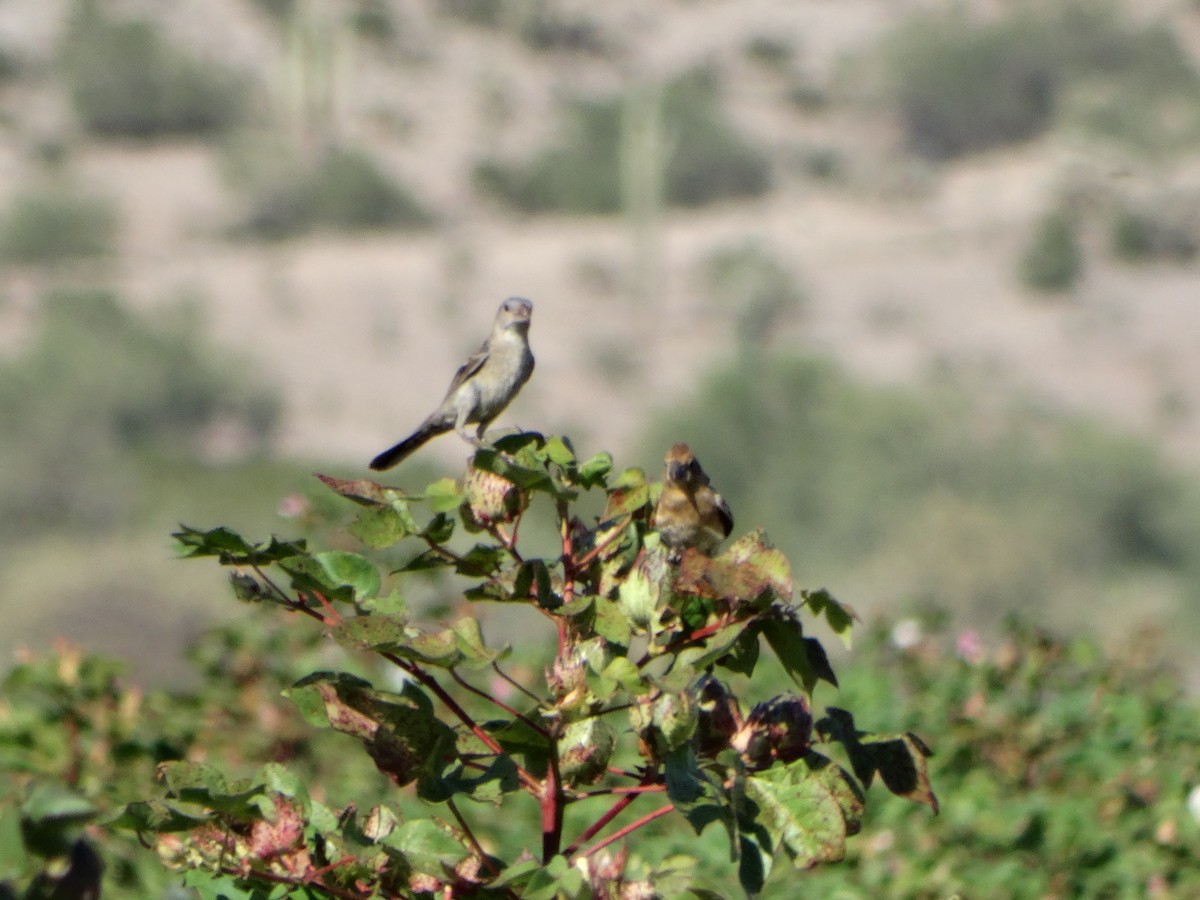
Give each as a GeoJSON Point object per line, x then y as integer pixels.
{"type": "Point", "coordinates": [516, 684]}
{"type": "Point", "coordinates": [467, 686]}
{"type": "Point", "coordinates": [428, 681]}
{"type": "Point", "coordinates": [487, 861]}
{"type": "Point", "coordinates": [615, 810]}
{"type": "Point", "coordinates": [628, 829]}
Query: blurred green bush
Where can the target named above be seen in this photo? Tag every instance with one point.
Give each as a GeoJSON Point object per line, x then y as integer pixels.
{"type": "Point", "coordinates": [55, 224]}
{"type": "Point", "coordinates": [1164, 231]}
{"type": "Point", "coordinates": [943, 496]}
{"type": "Point", "coordinates": [342, 188]}
{"type": "Point", "coordinates": [707, 158]}
{"type": "Point", "coordinates": [1052, 260]}
{"type": "Point", "coordinates": [962, 83]}
{"type": "Point", "coordinates": [126, 80]}
{"type": "Point", "coordinates": [98, 389]}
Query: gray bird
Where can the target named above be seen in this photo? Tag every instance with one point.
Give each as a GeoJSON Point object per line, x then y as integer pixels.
{"type": "Point", "coordinates": [483, 386]}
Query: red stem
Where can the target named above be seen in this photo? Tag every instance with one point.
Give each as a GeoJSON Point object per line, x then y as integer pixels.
{"type": "Point", "coordinates": [467, 686]}
{"type": "Point", "coordinates": [631, 827]}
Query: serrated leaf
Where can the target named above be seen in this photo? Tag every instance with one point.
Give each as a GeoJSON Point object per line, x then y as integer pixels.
{"type": "Point", "coordinates": [232, 549]}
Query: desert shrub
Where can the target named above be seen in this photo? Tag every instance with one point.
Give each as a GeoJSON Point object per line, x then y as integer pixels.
{"type": "Point", "coordinates": [343, 189]}
{"type": "Point", "coordinates": [126, 80]}
{"type": "Point", "coordinates": [98, 387]}
{"type": "Point", "coordinates": [708, 159]}
{"type": "Point", "coordinates": [1140, 235]}
{"type": "Point", "coordinates": [963, 84]}
{"type": "Point", "coordinates": [55, 224]}
{"type": "Point", "coordinates": [1052, 260]}
{"type": "Point", "coordinates": [750, 284]}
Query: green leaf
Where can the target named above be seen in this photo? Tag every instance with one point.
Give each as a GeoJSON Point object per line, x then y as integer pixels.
{"type": "Point", "coordinates": [807, 808]}
{"type": "Point", "coordinates": [350, 570]}
{"type": "Point", "coordinates": [559, 452]}
{"type": "Point", "coordinates": [374, 632]}
{"type": "Point", "coordinates": [444, 496]}
{"type": "Point", "coordinates": [440, 529]}
{"type": "Point", "coordinates": [399, 732]}
{"type": "Point", "coordinates": [47, 800]}
{"type": "Point", "coordinates": [628, 494]}
{"type": "Point", "coordinates": [309, 700]}
{"type": "Point", "coordinates": [611, 622]}
{"type": "Point", "coordinates": [232, 549]}
{"type": "Point", "coordinates": [533, 582]}
{"type": "Point", "coordinates": [430, 848]}
{"type": "Point", "coordinates": [839, 617]}
{"type": "Point", "coordinates": [786, 638]}
{"type": "Point", "coordinates": [159, 817]}
{"type": "Point", "coordinates": [470, 643]}
{"type": "Point", "coordinates": [743, 655]}
{"type": "Point", "coordinates": [592, 472]}
{"type": "Point", "coordinates": [13, 855]}
{"type": "Point", "coordinates": [384, 526]}
{"type": "Point", "coordinates": [557, 880]}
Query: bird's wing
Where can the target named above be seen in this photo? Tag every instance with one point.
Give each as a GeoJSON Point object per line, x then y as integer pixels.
{"type": "Point", "coordinates": [724, 513]}
{"type": "Point", "coordinates": [473, 364]}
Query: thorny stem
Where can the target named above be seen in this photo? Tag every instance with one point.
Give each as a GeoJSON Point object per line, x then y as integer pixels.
{"type": "Point", "coordinates": [467, 686]}
{"type": "Point", "coordinates": [631, 827]}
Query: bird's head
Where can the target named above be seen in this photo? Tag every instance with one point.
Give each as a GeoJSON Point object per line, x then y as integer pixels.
{"type": "Point", "coordinates": [681, 464]}
{"type": "Point", "coordinates": [515, 313]}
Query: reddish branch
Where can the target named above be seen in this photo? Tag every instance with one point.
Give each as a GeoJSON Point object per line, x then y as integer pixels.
{"type": "Point", "coordinates": [631, 827]}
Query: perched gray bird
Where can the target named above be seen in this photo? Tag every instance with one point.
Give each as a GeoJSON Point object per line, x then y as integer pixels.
{"type": "Point", "coordinates": [482, 387]}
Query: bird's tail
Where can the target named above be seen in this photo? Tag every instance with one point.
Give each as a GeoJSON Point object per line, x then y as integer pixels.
{"type": "Point", "coordinates": [394, 455]}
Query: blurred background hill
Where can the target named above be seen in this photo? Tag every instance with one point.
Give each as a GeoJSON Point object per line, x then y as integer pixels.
{"type": "Point", "coordinates": [917, 280]}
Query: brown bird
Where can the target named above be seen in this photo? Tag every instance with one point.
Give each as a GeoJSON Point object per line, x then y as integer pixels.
{"type": "Point", "coordinates": [482, 387]}
{"type": "Point", "coordinates": [689, 512]}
